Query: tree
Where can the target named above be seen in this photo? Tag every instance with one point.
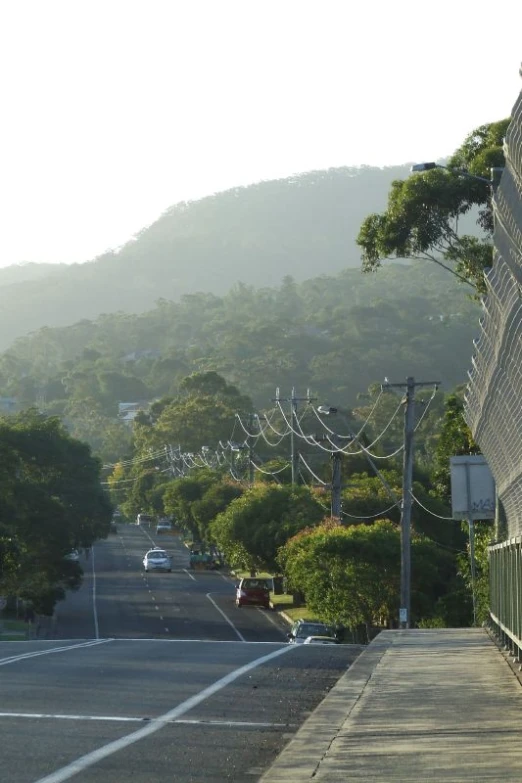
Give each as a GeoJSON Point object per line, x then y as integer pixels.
{"type": "Point", "coordinates": [421, 220]}
{"type": "Point", "coordinates": [254, 526]}
{"type": "Point", "coordinates": [351, 575]}
{"type": "Point", "coordinates": [51, 501]}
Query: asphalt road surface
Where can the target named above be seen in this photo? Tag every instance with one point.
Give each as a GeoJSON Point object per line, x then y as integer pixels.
{"type": "Point", "coordinates": [155, 677]}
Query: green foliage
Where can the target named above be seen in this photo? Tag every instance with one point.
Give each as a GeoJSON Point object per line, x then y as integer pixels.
{"type": "Point", "coordinates": [454, 439]}
{"type": "Point", "coordinates": [255, 525]}
{"type": "Point", "coordinates": [351, 575]}
{"type": "Point", "coordinates": [421, 219]}
{"type": "Point", "coordinates": [51, 501]}
{"type": "Point", "coordinates": [303, 336]}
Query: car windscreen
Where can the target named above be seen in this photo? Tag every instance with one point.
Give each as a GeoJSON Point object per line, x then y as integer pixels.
{"type": "Point", "coordinates": [309, 629]}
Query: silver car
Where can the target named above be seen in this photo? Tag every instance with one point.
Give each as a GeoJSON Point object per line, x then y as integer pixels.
{"type": "Point", "coordinates": [157, 560]}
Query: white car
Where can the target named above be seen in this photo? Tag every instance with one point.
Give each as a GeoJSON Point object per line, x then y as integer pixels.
{"type": "Point", "coordinates": [157, 560]}
{"type": "Point", "coordinates": [164, 526]}
{"type": "Point", "coordinates": [73, 556]}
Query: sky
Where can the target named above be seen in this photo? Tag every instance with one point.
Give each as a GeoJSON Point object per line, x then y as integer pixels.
{"type": "Point", "coordinates": [114, 110]}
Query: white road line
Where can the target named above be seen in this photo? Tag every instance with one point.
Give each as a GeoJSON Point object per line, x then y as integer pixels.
{"type": "Point", "coordinates": [49, 651]}
{"type": "Point", "coordinates": [191, 575]}
{"type": "Point", "coordinates": [90, 759]}
{"type": "Point", "coordinates": [122, 719]}
{"type": "Point", "coordinates": [229, 621]}
{"type": "Point", "coordinates": [94, 610]}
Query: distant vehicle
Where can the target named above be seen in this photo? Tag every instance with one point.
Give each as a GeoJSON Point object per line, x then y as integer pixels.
{"type": "Point", "coordinates": [113, 527]}
{"type": "Point", "coordinates": [73, 556]}
{"type": "Point", "coordinates": [320, 640]}
{"type": "Point", "coordinates": [164, 526]}
{"type": "Point", "coordinates": [144, 519]}
{"type": "Point", "coordinates": [200, 559]}
{"type": "Point", "coordinates": [253, 592]}
{"type": "Point", "coordinates": [157, 560]}
{"type": "Point", "coordinates": [303, 629]}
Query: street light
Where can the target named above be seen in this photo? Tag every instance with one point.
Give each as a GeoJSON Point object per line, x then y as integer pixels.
{"type": "Point", "coordinates": [493, 181]}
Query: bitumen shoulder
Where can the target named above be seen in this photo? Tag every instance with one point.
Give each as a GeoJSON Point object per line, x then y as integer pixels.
{"type": "Point", "coordinates": [417, 705]}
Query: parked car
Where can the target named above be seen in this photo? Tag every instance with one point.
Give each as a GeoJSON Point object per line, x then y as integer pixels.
{"type": "Point", "coordinates": [321, 640]}
{"type": "Point", "coordinates": [164, 526]}
{"type": "Point", "coordinates": [73, 556]}
{"type": "Point", "coordinates": [303, 629]}
{"type": "Point", "coordinates": [157, 560]}
{"type": "Point", "coordinates": [253, 592]}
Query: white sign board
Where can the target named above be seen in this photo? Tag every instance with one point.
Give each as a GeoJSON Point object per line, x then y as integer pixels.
{"type": "Point", "coordinates": [472, 488]}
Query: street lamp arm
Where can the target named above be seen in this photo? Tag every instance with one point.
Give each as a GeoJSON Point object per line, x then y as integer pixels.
{"type": "Point", "coordinates": [496, 171]}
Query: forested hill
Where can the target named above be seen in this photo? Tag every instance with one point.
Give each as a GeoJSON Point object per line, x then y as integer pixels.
{"type": "Point", "coordinates": [302, 226]}
{"type": "Point", "coordinates": [333, 334]}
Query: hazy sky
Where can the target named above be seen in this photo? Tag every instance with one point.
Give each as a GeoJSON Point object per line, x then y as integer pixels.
{"type": "Point", "coordinates": [113, 110]}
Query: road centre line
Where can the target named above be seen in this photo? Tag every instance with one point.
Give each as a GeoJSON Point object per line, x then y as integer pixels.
{"type": "Point", "coordinates": [123, 719]}
{"type": "Point", "coordinates": [155, 724]}
{"type": "Point", "coordinates": [229, 621]}
{"type": "Point", "coordinates": [191, 575]}
{"type": "Point", "coordinates": [49, 651]}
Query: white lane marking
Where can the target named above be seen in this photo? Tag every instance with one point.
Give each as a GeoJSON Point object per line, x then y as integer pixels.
{"type": "Point", "coordinates": [94, 610]}
{"type": "Point", "coordinates": [229, 621]}
{"type": "Point", "coordinates": [84, 762]}
{"type": "Point", "coordinates": [226, 578]}
{"type": "Point", "coordinates": [49, 651]}
{"type": "Point", "coordinates": [191, 575]}
{"type": "Point", "coordinates": [122, 719]}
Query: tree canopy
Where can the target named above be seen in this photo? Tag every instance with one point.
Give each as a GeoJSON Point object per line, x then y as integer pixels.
{"type": "Point", "coordinates": [51, 501]}
{"type": "Point", "coordinates": [421, 221]}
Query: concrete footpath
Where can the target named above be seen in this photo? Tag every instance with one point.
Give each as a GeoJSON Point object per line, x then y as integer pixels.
{"type": "Point", "coordinates": [417, 705]}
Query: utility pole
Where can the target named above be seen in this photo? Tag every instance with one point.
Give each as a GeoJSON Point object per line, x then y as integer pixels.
{"type": "Point", "coordinates": [252, 417]}
{"type": "Point", "coordinates": [336, 485]}
{"type": "Point", "coordinates": [293, 400]}
{"type": "Point", "coordinates": [407, 478]}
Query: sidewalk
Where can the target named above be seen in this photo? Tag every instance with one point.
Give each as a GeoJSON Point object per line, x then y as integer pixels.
{"type": "Point", "coordinates": [417, 705]}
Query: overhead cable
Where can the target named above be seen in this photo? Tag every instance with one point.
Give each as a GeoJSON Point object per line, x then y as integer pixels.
{"type": "Point", "coordinates": [309, 469]}
{"type": "Point", "coordinates": [433, 514]}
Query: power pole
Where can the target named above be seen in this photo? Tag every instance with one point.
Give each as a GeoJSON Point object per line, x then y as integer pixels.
{"type": "Point", "coordinates": [251, 418]}
{"type": "Point", "coordinates": [293, 400]}
{"type": "Point", "coordinates": [336, 485]}
{"type": "Point", "coordinates": [407, 479]}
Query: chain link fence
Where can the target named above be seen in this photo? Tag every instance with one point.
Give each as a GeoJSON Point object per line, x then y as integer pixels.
{"type": "Point", "coordinates": [493, 404]}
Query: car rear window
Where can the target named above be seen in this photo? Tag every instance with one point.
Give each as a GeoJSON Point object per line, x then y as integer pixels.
{"type": "Point", "coordinates": [309, 629]}
{"type": "Point", "coordinates": [157, 554]}
{"type": "Point", "coordinates": [254, 584]}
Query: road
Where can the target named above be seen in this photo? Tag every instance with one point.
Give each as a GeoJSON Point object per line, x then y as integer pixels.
{"type": "Point", "coordinates": [152, 677]}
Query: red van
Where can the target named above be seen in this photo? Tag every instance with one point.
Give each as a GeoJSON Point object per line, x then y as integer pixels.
{"type": "Point", "coordinates": [253, 592]}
